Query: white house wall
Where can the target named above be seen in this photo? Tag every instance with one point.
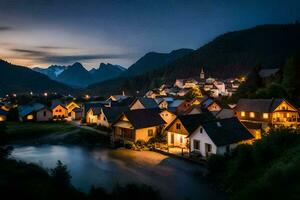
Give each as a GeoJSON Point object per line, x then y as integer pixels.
{"type": "Point", "coordinates": [203, 138]}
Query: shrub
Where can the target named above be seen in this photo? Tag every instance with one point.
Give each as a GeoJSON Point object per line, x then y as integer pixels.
{"type": "Point", "coordinates": [61, 175]}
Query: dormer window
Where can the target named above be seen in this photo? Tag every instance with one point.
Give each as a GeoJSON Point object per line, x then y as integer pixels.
{"type": "Point", "coordinates": [201, 130]}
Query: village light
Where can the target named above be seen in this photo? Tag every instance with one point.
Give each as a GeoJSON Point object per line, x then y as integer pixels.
{"type": "Point", "coordinates": [45, 94]}
{"type": "Point", "coordinates": [14, 95]}
{"type": "Point", "coordinates": [31, 93]}
{"type": "Point", "coordinates": [87, 96]}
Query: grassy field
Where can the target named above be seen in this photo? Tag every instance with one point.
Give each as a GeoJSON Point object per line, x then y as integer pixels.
{"type": "Point", "coordinates": [29, 130]}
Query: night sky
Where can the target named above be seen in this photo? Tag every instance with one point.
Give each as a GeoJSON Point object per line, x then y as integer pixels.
{"type": "Point", "coordinates": [44, 32]}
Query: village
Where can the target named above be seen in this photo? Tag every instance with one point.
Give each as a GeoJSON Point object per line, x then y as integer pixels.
{"type": "Point", "coordinates": [185, 119]}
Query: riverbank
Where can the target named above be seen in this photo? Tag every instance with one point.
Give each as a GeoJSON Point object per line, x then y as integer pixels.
{"type": "Point", "coordinates": [106, 167]}
{"type": "Point", "coordinates": [53, 133]}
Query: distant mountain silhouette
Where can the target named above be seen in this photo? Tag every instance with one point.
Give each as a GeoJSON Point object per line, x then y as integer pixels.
{"type": "Point", "coordinates": [75, 75]}
{"type": "Point", "coordinates": [19, 79]}
{"type": "Point", "coordinates": [153, 60]}
{"type": "Point", "coordinates": [53, 71]}
{"type": "Point", "coordinates": [228, 55]}
{"type": "Point", "coordinates": [106, 72]}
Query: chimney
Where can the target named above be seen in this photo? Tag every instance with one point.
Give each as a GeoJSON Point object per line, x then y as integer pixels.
{"type": "Point", "coordinates": [123, 93]}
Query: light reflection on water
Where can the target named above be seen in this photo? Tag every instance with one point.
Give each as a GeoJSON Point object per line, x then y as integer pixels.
{"type": "Point", "coordinates": [105, 167]}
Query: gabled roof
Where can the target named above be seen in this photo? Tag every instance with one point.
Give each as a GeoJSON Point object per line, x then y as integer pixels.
{"type": "Point", "coordinates": [146, 102]}
{"type": "Point", "coordinates": [59, 104]}
{"type": "Point", "coordinates": [95, 110]}
{"type": "Point", "coordinates": [124, 102]}
{"type": "Point", "coordinates": [77, 110]}
{"type": "Point", "coordinates": [112, 113]}
{"type": "Point", "coordinates": [88, 105]}
{"type": "Point", "coordinates": [226, 131]}
{"type": "Point", "coordinates": [258, 105]}
{"type": "Point", "coordinates": [27, 109]}
{"type": "Point", "coordinates": [224, 113]}
{"type": "Point", "coordinates": [143, 118]}
{"type": "Point", "coordinates": [192, 122]}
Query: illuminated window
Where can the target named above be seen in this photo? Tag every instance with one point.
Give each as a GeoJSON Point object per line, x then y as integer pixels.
{"type": "Point", "coordinates": [265, 115]}
{"type": "Point", "coordinates": [288, 115]}
{"type": "Point", "coordinates": [252, 114]}
{"type": "Point", "coordinates": [243, 114]}
{"type": "Point", "coordinates": [2, 119]}
{"type": "Point", "coordinates": [30, 117]}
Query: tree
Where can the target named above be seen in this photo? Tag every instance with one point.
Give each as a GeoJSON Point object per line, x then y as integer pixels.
{"type": "Point", "coordinates": [3, 133]}
{"type": "Point", "coordinates": [61, 175]}
{"type": "Point", "coordinates": [291, 74]}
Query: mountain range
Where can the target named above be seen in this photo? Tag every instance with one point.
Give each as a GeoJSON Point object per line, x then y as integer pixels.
{"type": "Point", "coordinates": [19, 79]}
{"type": "Point", "coordinates": [231, 54]}
{"type": "Point", "coordinates": [228, 55]}
{"type": "Point", "coordinates": [79, 77]}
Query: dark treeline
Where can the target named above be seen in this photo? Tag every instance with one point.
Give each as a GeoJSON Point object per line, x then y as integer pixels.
{"type": "Point", "coordinates": [285, 84]}
{"type": "Point", "coordinates": [268, 169]}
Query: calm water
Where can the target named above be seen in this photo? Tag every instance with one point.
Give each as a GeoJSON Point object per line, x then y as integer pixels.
{"type": "Point", "coordinates": [176, 179]}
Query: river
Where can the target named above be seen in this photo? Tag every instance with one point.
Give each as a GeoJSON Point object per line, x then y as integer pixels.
{"type": "Point", "coordinates": [174, 178]}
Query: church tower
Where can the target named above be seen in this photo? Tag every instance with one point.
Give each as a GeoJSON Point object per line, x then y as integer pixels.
{"type": "Point", "coordinates": [202, 75]}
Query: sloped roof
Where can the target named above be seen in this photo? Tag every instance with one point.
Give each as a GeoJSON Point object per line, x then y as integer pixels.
{"type": "Point", "coordinates": [143, 118]}
{"type": "Point", "coordinates": [124, 102]}
{"type": "Point", "coordinates": [77, 110]}
{"type": "Point", "coordinates": [59, 104]}
{"type": "Point", "coordinates": [96, 110]}
{"type": "Point", "coordinates": [146, 102]}
{"type": "Point", "coordinates": [257, 105]}
{"type": "Point", "coordinates": [88, 105]}
{"type": "Point", "coordinates": [192, 122]}
{"type": "Point", "coordinates": [112, 113]}
{"type": "Point", "coordinates": [226, 131]}
{"type": "Point", "coordinates": [27, 109]}
{"type": "Point", "coordinates": [224, 113]}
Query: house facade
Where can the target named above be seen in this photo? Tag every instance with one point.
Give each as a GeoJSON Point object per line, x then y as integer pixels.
{"type": "Point", "coordinates": [268, 112]}
{"type": "Point", "coordinates": [34, 112]}
{"type": "Point", "coordinates": [203, 134]}
{"type": "Point", "coordinates": [93, 115]}
{"type": "Point", "coordinates": [59, 111]}
{"type": "Point", "coordinates": [219, 136]}
{"type": "Point", "coordinates": [76, 114]}
{"type": "Point", "coordinates": [135, 125]}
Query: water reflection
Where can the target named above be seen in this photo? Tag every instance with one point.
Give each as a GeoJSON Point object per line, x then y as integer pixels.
{"type": "Point", "coordinates": [105, 167]}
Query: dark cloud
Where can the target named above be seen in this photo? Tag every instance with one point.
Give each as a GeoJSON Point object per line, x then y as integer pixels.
{"type": "Point", "coordinates": [75, 58]}
{"type": "Point", "coordinates": [30, 53]}
{"type": "Point", "coordinates": [48, 57]}
{"type": "Point", "coordinates": [6, 28]}
{"type": "Point", "coordinates": [55, 47]}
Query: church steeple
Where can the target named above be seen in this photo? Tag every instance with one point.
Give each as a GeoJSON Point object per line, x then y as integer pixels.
{"type": "Point", "coordinates": [202, 75]}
